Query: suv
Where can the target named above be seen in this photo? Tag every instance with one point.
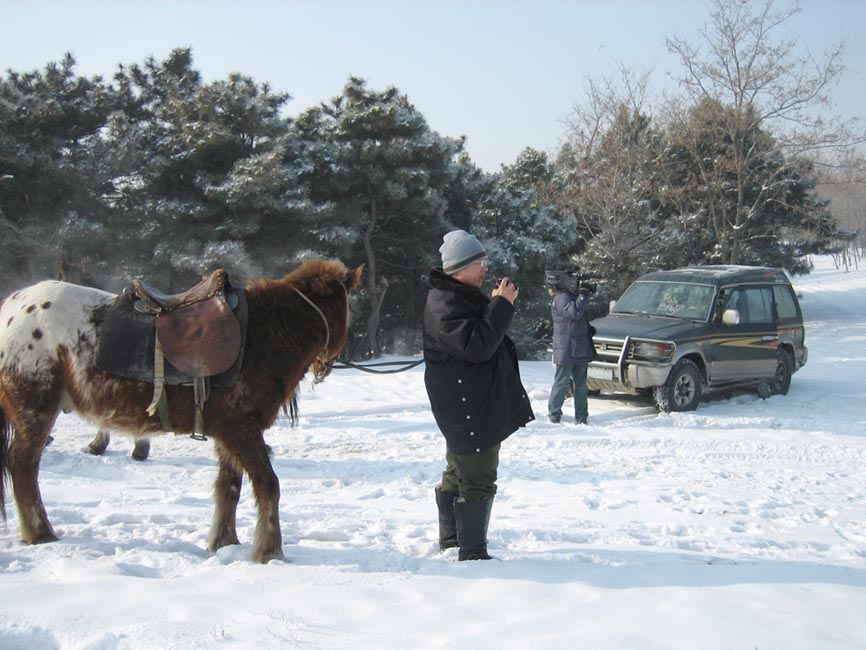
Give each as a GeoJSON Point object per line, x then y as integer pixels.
{"type": "Point", "coordinates": [677, 334]}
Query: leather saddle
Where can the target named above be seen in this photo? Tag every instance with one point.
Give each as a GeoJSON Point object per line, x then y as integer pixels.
{"type": "Point", "coordinates": [196, 338]}
{"type": "Point", "coordinates": [198, 332]}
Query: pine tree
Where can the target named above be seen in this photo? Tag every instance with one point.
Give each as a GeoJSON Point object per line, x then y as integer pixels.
{"type": "Point", "coordinates": [380, 176]}
{"type": "Point", "coordinates": [50, 121]}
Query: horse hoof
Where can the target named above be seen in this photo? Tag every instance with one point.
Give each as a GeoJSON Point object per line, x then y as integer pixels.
{"type": "Point", "coordinates": [141, 451]}
{"type": "Point", "coordinates": [43, 538]}
{"type": "Point", "coordinates": [268, 557]}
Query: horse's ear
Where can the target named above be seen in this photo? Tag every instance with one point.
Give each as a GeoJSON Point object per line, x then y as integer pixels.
{"type": "Point", "coordinates": [353, 278]}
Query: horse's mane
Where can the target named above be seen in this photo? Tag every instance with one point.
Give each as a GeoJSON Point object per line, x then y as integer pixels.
{"type": "Point", "coordinates": [314, 276]}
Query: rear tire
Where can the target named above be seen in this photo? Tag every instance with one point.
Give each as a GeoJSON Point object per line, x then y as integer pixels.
{"type": "Point", "coordinates": [682, 390]}
{"type": "Point", "coordinates": [781, 381]}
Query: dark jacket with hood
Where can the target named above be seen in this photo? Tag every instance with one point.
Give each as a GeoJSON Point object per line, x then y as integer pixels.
{"type": "Point", "coordinates": [471, 375]}
{"type": "Point", "coordinates": [571, 333]}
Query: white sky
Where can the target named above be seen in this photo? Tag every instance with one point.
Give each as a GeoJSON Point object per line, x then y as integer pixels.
{"type": "Point", "coordinates": [505, 74]}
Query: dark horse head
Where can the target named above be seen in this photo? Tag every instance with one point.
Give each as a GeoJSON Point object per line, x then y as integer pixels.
{"type": "Point", "coordinates": [76, 274]}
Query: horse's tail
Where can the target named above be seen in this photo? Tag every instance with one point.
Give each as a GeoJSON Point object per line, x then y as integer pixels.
{"type": "Point", "coordinates": [5, 434]}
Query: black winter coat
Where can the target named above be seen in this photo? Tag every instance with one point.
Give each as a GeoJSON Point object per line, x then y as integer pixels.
{"type": "Point", "coordinates": [471, 375]}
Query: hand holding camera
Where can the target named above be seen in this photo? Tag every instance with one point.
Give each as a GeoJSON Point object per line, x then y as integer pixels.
{"type": "Point", "coordinates": [506, 289]}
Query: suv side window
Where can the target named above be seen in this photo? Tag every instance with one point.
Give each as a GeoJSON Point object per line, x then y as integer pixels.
{"type": "Point", "coordinates": [755, 304]}
{"type": "Point", "coordinates": [786, 307]}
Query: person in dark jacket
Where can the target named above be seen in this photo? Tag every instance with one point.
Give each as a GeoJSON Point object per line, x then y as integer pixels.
{"type": "Point", "coordinates": [474, 386]}
{"type": "Point", "coordinates": [572, 350]}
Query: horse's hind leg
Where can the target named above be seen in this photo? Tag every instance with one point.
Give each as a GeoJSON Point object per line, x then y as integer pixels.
{"type": "Point", "coordinates": [227, 492]}
{"type": "Point", "coordinates": [32, 427]}
{"type": "Point", "coordinates": [99, 443]}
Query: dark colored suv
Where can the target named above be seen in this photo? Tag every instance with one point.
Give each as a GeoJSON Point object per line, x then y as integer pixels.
{"type": "Point", "coordinates": [678, 334]}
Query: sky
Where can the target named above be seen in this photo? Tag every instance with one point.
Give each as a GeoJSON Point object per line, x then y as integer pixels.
{"type": "Point", "coordinates": [738, 526]}
{"type": "Point", "coordinates": [505, 74]}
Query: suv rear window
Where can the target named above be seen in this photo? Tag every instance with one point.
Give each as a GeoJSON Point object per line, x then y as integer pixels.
{"type": "Point", "coordinates": [672, 299]}
{"type": "Point", "coordinates": [786, 307]}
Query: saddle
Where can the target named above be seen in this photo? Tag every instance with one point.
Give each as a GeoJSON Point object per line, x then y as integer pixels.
{"type": "Point", "coordinates": [194, 337]}
{"type": "Point", "coordinates": [198, 332]}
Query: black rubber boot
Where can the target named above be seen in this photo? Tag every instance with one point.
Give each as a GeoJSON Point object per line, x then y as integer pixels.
{"type": "Point", "coordinates": [472, 520]}
{"type": "Point", "coordinates": [447, 524]}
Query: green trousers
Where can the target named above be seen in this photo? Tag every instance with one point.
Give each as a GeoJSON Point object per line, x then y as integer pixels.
{"type": "Point", "coordinates": [472, 476]}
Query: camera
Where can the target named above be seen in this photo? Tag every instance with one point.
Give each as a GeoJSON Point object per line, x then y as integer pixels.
{"type": "Point", "coordinates": [562, 280]}
{"type": "Point", "coordinates": [586, 287]}
{"type": "Point", "coordinates": [572, 280]}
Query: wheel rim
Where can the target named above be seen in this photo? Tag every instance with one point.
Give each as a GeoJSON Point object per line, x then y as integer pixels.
{"type": "Point", "coordinates": [781, 375]}
{"type": "Point", "coordinates": [684, 390]}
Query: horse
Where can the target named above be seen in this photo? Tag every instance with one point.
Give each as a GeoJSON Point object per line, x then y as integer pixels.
{"type": "Point", "coordinates": [49, 338]}
{"type": "Point", "coordinates": [78, 274]}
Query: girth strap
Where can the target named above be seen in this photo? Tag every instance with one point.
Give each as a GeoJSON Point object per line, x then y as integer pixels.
{"type": "Point", "coordinates": [201, 391]}
{"type": "Point", "coordinates": [159, 403]}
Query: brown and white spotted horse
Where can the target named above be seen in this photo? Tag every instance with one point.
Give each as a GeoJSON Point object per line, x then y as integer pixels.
{"type": "Point", "coordinates": [49, 335]}
{"type": "Point", "coordinates": [78, 274]}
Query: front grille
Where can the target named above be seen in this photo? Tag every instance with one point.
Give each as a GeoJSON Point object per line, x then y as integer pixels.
{"type": "Point", "coordinates": [608, 350]}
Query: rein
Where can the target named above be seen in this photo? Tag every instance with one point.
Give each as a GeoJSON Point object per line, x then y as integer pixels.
{"type": "Point", "coordinates": [322, 355]}
{"type": "Point", "coordinates": [407, 365]}
{"type": "Point", "coordinates": [324, 320]}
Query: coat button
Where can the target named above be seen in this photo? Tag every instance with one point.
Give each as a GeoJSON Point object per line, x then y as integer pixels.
{"type": "Point", "coordinates": [468, 417]}
{"type": "Point", "coordinates": [478, 451]}
{"type": "Point", "coordinates": [471, 433]}
{"type": "Point", "coordinates": [459, 381]}
{"type": "Point", "coordinates": [463, 399]}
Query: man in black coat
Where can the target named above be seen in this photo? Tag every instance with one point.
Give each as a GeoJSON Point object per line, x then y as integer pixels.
{"type": "Point", "coordinates": [474, 386]}
{"type": "Point", "coordinates": [572, 348]}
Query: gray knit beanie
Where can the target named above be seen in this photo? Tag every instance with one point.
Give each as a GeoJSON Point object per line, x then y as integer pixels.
{"type": "Point", "coordinates": [460, 250]}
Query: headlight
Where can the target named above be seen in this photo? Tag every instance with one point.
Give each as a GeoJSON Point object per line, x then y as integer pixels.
{"type": "Point", "coordinates": [654, 351]}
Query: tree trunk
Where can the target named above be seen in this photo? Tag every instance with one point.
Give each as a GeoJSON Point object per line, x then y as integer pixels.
{"type": "Point", "coordinates": [372, 281]}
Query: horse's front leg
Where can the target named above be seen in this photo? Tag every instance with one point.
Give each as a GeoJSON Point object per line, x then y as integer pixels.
{"type": "Point", "coordinates": [250, 451]}
{"type": "Point", "coordinates": [227, 491]}
{"type": "Point", "coordinates": [267, 540]}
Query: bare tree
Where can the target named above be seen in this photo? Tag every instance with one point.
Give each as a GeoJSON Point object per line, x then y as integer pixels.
{"type": "Point", "coordinates": [765, 85]}
{"type": "Point", "coordinates": [846, 188]}
{"type": "Point", "coordinates": [608, 170]}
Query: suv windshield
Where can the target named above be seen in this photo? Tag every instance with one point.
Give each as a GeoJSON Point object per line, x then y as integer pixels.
{"type": "Point", "coordinates": [671, 299]}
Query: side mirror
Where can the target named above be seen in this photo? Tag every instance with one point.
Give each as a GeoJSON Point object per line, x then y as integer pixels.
{"type": "Point", "coordinates": [611, 305]}
{"type": "Point", "coordinates": [731, 317]}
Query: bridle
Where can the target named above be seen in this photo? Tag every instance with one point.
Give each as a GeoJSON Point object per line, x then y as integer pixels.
{"type": "Point", "coordinates": [322, 365]}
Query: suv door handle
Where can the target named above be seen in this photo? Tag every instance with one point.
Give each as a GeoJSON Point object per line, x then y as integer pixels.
{"type": "Point", "coordinates": [770, 337]}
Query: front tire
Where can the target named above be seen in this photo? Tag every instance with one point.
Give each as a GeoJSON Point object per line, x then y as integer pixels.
{"type": "Point", "coordinates": [682, 390]}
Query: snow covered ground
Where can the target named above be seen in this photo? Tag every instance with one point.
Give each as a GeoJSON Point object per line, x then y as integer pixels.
{"type": "Point", "coordinates": [741, 525]}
